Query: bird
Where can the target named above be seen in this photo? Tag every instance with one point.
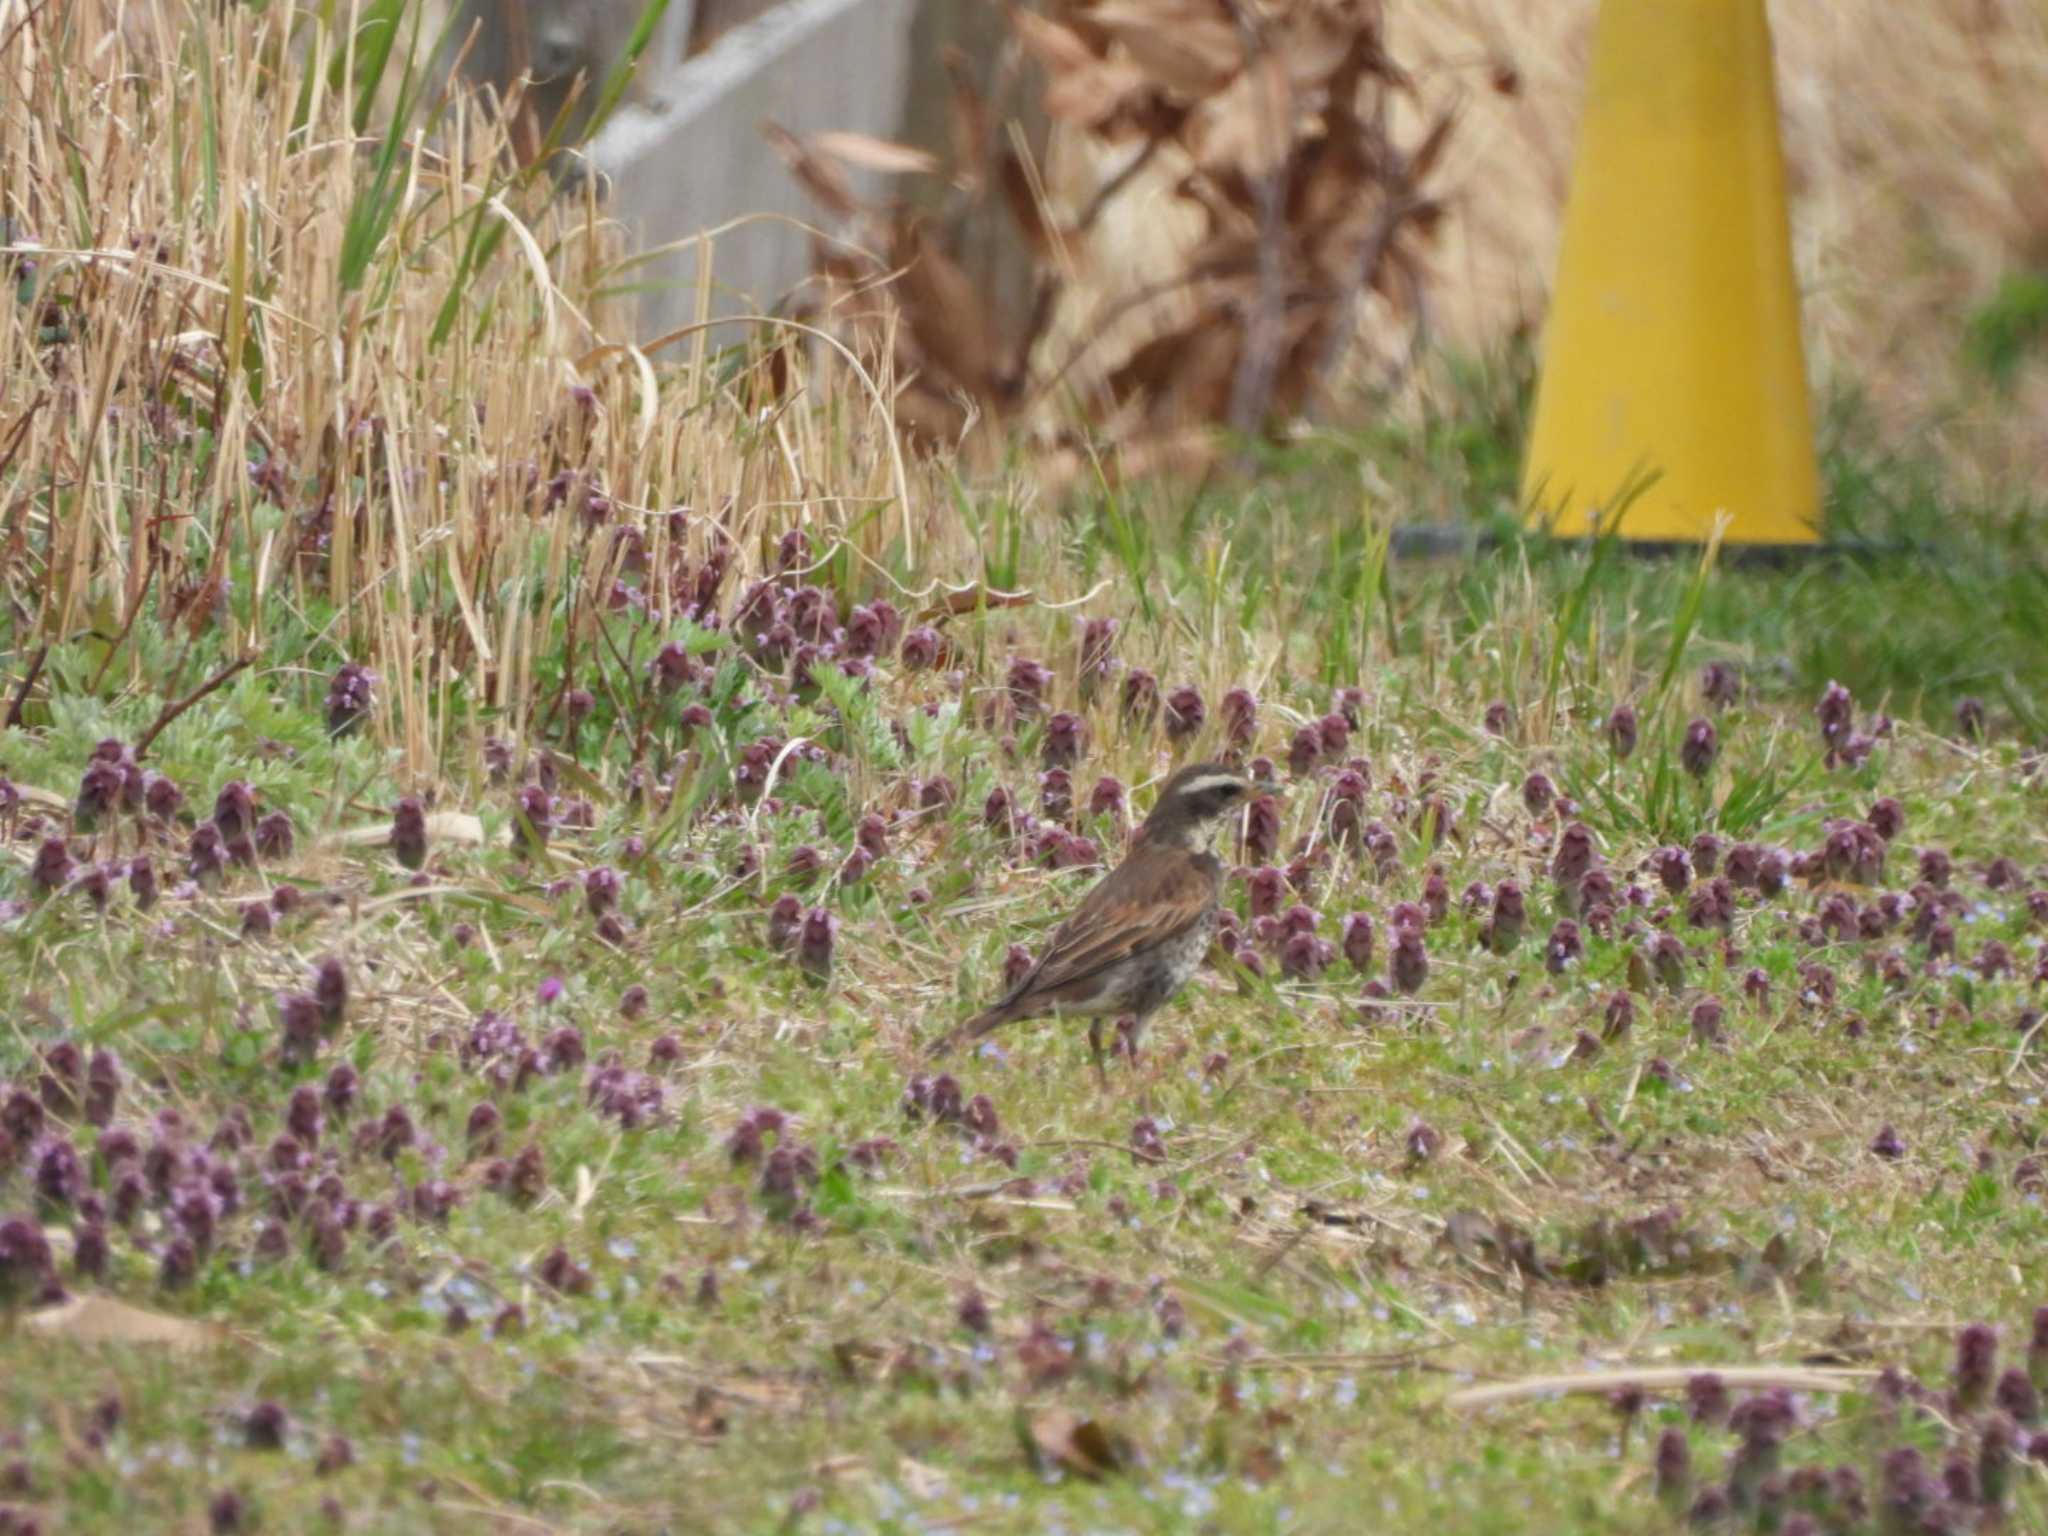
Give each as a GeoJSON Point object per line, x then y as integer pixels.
{"type": "Point", "coordinates": [1139, 935]}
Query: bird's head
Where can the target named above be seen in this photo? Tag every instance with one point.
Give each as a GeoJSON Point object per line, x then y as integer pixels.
{"type": "Point", "coordinates": [1193, 802]}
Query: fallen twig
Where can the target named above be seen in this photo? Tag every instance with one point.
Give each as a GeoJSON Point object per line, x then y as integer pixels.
{"type": "Point", "coordinates": [178, 707]}
{"type": "Point", "coordinates": [1662, 1378]}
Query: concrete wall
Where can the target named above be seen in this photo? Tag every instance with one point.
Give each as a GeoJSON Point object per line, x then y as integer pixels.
{"type": "Point", "coordinates": [698, 159]}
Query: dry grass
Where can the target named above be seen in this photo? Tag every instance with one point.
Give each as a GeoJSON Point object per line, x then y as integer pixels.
{"type": "Point", "coordinates": [207, 382]}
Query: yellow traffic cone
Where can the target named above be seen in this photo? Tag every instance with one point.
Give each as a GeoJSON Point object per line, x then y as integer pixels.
{"type": "Point", "coordinates": [1672, 345]}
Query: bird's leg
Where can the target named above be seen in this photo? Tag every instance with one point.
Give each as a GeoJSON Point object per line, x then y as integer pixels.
{"type": "Point", "coordinates": [1128, 1029]}
{"type": "Point", "coordinates": [1095, 1049]}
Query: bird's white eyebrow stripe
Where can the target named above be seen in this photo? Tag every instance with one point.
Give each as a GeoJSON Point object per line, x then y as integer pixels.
{"type": "Point", "coordinates": [1211, 781]}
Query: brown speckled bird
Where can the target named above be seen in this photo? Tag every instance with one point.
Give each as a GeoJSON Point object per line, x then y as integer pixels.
{"type": "Point", "coordinates": [1140, 934]}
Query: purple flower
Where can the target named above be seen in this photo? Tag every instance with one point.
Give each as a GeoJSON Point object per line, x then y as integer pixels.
{"type": "Point", "coordinates": [409, 832]}
{"type": "Point", "coordinates": [53, 867]}
{"type": "Point", "coordinates": [1971, 721]}
{"type": "Point", "coordinates": [1240, 710]}
{"type": "Point", "coordinates": [815, 942]}
{"type": "Point", "coordinates": [1185, 712]}
{"type": "Point", "coordinates": [1836, 713]}
{"type": "Point", "coordinates": [1700, 747]}
{"type": "Point", "coordinates": [1140, 702]}
{"type": "Point", "coordinates": [1887, 1145]}
{"type": "Point", "coordinates": [1621, 731]}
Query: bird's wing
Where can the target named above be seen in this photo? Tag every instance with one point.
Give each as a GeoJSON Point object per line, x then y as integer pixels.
{"type": "Point", "coordinates": [1143, 902]}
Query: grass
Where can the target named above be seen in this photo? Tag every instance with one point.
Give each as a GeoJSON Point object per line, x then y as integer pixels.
{"type": "Point", "coordinates": [750, 1277]}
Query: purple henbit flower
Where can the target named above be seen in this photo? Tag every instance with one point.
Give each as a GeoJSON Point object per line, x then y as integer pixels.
{"type": "Point", "coordinates": [409, 832]}
{"type": "Point", "coordinates": [563, 1049]}
{"type": "Point", "coordinates": [205, 857]}
{"type": "Point", "coordinates": [1667, 960]}
{"type": "Point", "coordinates": [1303, 750]}
{"type": "Point", "coordinates": [1993, 960]}
{"type": "Point", "coordinates": [1422, 1142]}
{"type": "Point", "coordinates": [1706, 1398]}
{"type": "Point", "coordinates": [1504, 929]}
{"type": "Point", "coordinates": [1673, 1463]}
{"type": "Point", "coordinates": [871, 835]}
{"type": "Point", "coordinates": [1358, 939]}
{"type": "Point", "coordinates": [1240, 717]}
{"type": "Point", "coordinates": [601, 888]}
{"type": "Point", "coordinates": [234, 810]}
{"type": "Point", "coordinates": [973, 1312]}
{"type": "Point", "coordinates": [1706, 1021]}
{"type": "Point", "coordinates": [1147, 1146]}
{"type": "Point", "coordinates": [1436, 896]}
{"type": "Point", "coordinates": [1720, 684]}
{"type": "Point", "coordinates": [1701, 746]}
{"type": "Point", "coordinates": [56, 1172]}
{"type": "Point", "coordinates": [2004, 874]}
{"type": "Point", "coordinates": [1621, 731]}
{"type": "Point", "coordinates": [920, 650]}
{"type": "Point", "coordinates": [1836, 713]}
{"type": "Point", "coordinates": [1266, 888]}
{"type": "Point", "coordinates": [1304, 956]}
{"type": "Point", "coordinates": [936, 793]}
{"type": "Point", "coordinates": [562, 1274]}
{"type": "Point", "coordinates": [1017, 965]}
{"type": "Point", "coordinates": [1712, 905]}
{"type": "Point", "coordinates": [340, 1091]}
{"type": "Point", "coordinates": [1499, 718]}
{"type": "Point", "coordinates": [1185, 712]}
{"type": "Point", "coordinates": [177, 1264]}
{"type": "Point", "coordinates": [1976, 1365]}
{"type": "Point", "coordinates": [1538, 793]}
{"type": "Point", "coordinates": [1026, 683]}
{"type": "Point", "coordinates": [1098, 654]}
{"type": "Point", "coordinates": [1673, 868]}
{"type": "Point", "coordinates": [256, 920]}
{"type": "Point", "coordinates": [814, 945]}
{"type": "Point", "coordinates": [1706, 854]}
{"type": "Point", "coordinates": [1887, 818]}
{"type": "Point", "coordinates": [1971, 721]}
{"type": "Point", "coordinates": [1407, 961]}
{"type": "Point", "coordinates": [784, 918]}
{"type": "Point", "coordinates": [1140, 702]}
{"type": "Point", "coordinates": [266, 1427]}
{"type": "Point", "coordinates": [298, 1016]}
{"type": "Point", "coordinates": [142, 884]}
{"type": "Point", "coordinates": [1575, 854]}
{"type": "Point", "coordinates": [533, 819]}
{"type": "Point", "coordinates": [350, 694]}
{"type": "Point", "coordinates": [999, 812]}
{"type": "Point", "coordinates": [28, 1273]}
{"type": "Point", "coordinates": [103, 1078]}
{"type": "Point", "coordinates": [100, 791]}
{"type": "Point", "coordinates": [1108, 798]}
{"type": "Point", "coordinates": [1056, 795]}
{"type": "Point", "coordinates": [1563, 948]}
{"type": "Point", "coordinates": [330, 990]}
{"type": "Point", "coordinates": [2017, 1395]}
{"type": "Point", "coordinates": [274, 836]}
{"type": "Point", "coordinates": [1334, 732]}
{"type": "Point", "coordinates": [53, 866]}
{"type": "Point", "coordinates": [1887, 1145]}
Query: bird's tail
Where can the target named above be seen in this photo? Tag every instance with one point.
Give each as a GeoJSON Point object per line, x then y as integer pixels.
{"type": "Point", "coordinates": [984, 1023]}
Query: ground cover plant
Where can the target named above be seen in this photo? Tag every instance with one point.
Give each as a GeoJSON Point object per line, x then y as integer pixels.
{"type": "Point", "coordinates": [491, 820]}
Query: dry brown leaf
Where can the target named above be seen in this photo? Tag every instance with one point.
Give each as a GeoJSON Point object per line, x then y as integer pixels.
{"type": "Point", "coordinates": [1085, 1447]}
{"type": "Point", "coordinates": [821, 179]}
{"type": "Point", "coordinates": [1249, 126]}
{"type": "Point", "coordinates": [1187, 46]}
{"type": "Point", "coordinates": [1089, 96]}
{"type": "Point", "coordinates": [88, 1319]}
{"type": "Point", "coordinates": [946, 312]}
{"type": "Point", "coordinates": [873, 154]}
{"type": "Point", "coordinates": [1060, 49]}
